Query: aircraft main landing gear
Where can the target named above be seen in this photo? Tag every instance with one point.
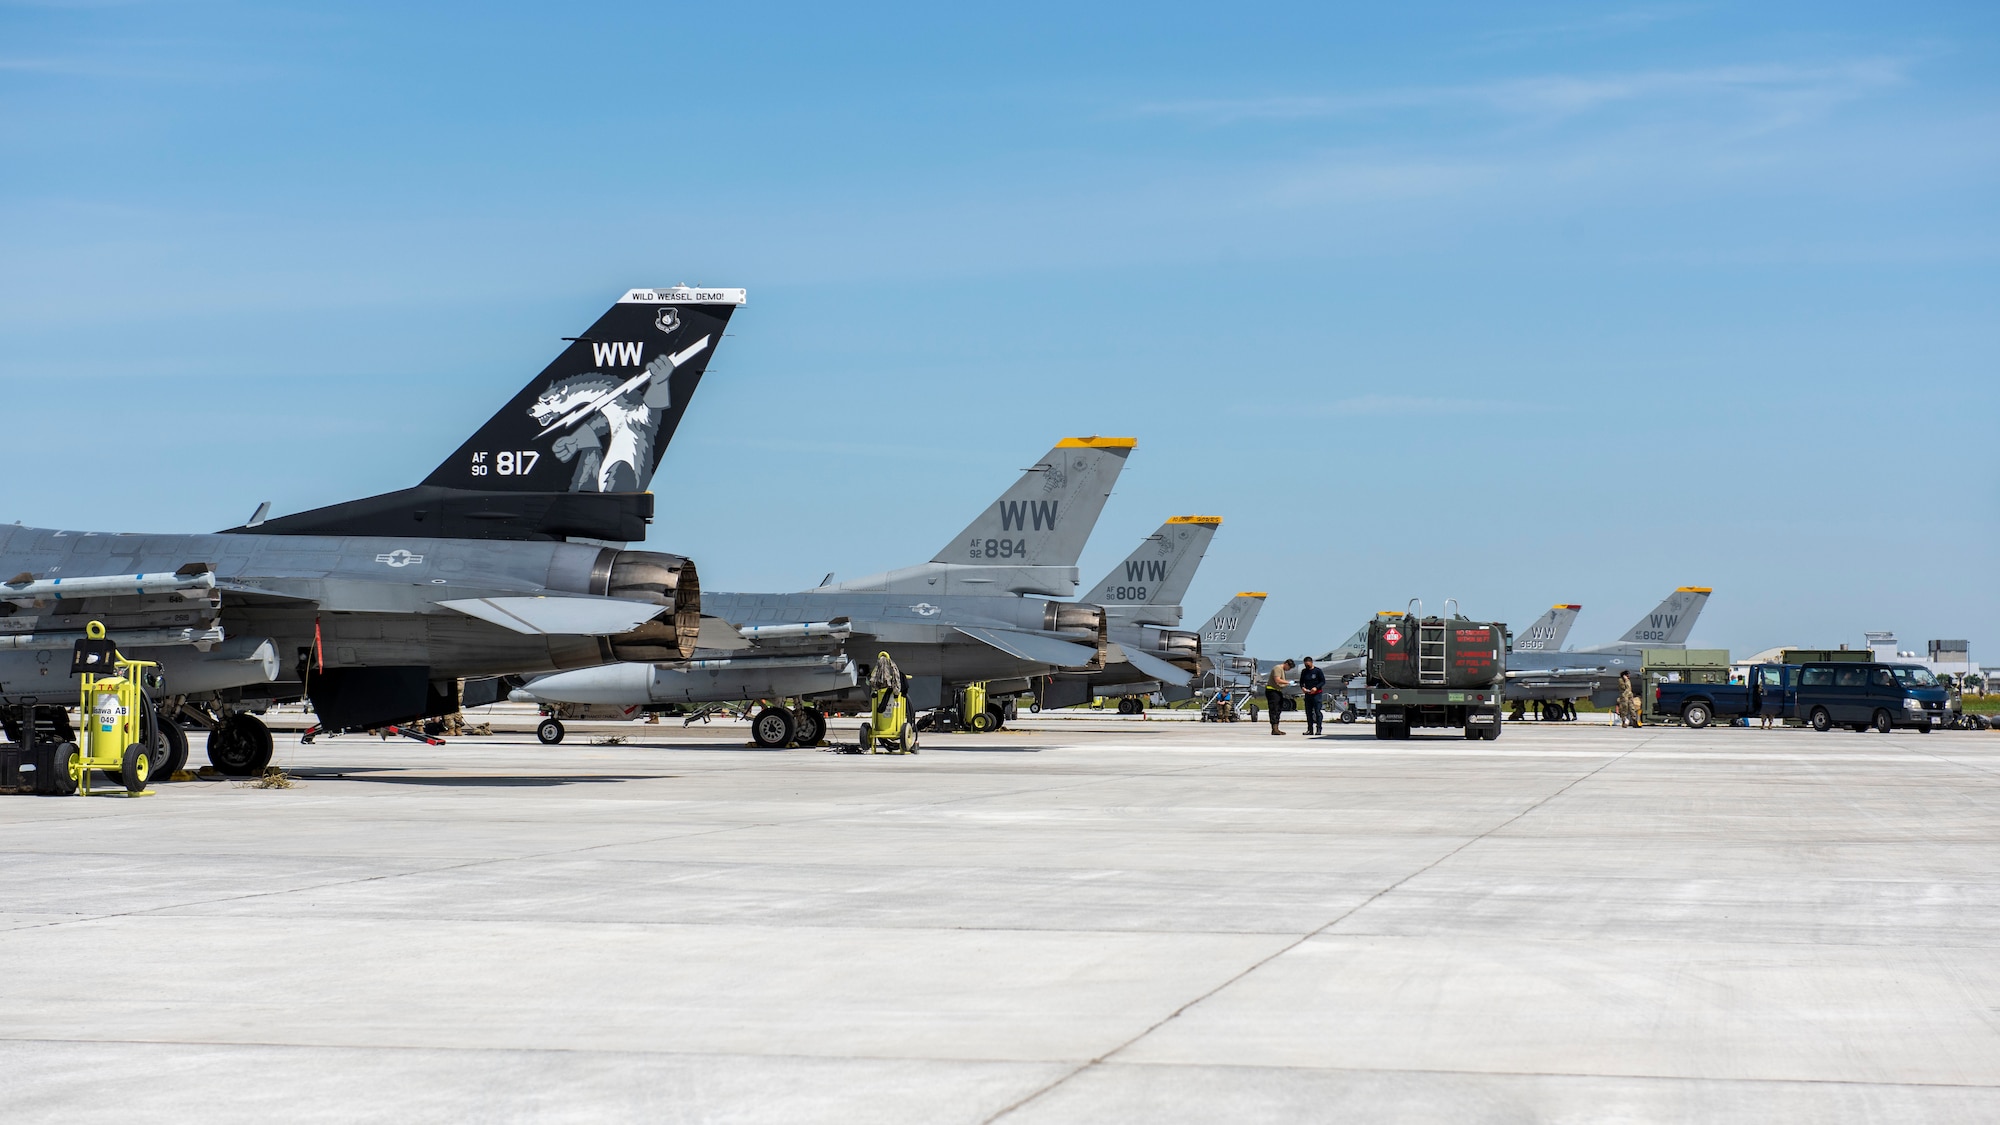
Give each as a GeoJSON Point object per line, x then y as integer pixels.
{"type": "Point", "coordinates": [240, 746]}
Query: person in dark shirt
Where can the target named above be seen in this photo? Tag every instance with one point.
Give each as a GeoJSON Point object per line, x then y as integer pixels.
{"type": "Point", "coordinates": [1312, 683]}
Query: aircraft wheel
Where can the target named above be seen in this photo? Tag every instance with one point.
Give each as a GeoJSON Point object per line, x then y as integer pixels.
{"type": "Point", "coordinates": [812, 727]}
{"type": "Point", "coordinates": [136, 767]}
{"type": "Point", "coordinates": [260, 740]}
{"type": "Point", "coordinates": [240, 746]}
{"type": "Point", "coordinates": [1821, 721]}
{"type": "Point", "coordinates": [549, 732]}
{"type": "Point", "coordinates": [773, 727]}
{"type": "Point", "coordinates": [1695, 715]}
{"type": "Point", "coordinates": [1883, 723]}
{"type": "Point", "coordinates": [983, 723]}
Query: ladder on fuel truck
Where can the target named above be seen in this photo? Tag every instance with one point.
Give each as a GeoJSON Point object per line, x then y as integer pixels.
{"type": "Point", "coordinates": [1430, 645]}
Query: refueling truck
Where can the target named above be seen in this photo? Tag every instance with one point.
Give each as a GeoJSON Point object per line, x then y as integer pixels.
{"type": "Point", "coordinates": [1444, 671]}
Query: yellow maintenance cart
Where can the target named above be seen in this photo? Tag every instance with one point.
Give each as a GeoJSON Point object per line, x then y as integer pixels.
{"type": "Point", "coordinates": [888, 729]}
{"type": "Point", "coordinates": [973, 715]}
{"type": "Point", "coordinates": [113, 703]}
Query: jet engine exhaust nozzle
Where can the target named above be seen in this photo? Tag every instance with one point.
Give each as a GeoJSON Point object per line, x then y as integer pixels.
{"type": "Point", "coordinates": [662, 579]}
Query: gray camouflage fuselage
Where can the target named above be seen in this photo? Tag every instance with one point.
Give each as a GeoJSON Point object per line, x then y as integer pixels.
{"type": "Point", "coordinates": [376, 602]}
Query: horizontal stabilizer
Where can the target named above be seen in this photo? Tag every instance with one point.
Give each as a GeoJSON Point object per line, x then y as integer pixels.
{"type": "Point", "coordinates": [578, 616]}
{"type": "Point", "coordinates": [1034, 646]}
{"type": "Point", "coordinates": [1155, 667]}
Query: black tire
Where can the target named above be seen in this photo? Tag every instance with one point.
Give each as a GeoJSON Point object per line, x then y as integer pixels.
{"type": "Point", "coordinates": [234, 749]}
{"type": "Point", "coordinates": [1251, 712]}
{"type": "Point", "coordinates": [159, 747]}
{"type": "Point", "coordinates": [1883, 722]}
{"type": "Point", "coordinates": [1348, 716]}
{"type": "Point", "coordinates": [811, 727]}
{"type": "Point", "coordinates": [62, 766]}
{"type": "Point", "coordinates": [136, 767]}
{"type": "Point", "coordinates": [1696, 715]}
{"type": "Point", "coordinates": [866, 740]}
{"type": "Point", "coordinates": [1035, 708]}
{"type": "Point", "coordinates": [983, 723]}
{"type": "Point", "coordinates": [1493, 733]}
{"type": "Point", "coordinates": [549, 732]}
{"type": "Point", "coordinates": [1474, 733]}
{"type": "Point", "coordinates": [1382, 731]}
{"type": "Point", "coordinates": [999, 714]}
{"type": "Point", "coordinates": [1924, 728]}
{"type": "Point", "coordinates": [177, 755]}
{"type": "Point", "coordinates": [1820, 720]}
{"type": "Point", "coordinates": [773, 727]}
{"type": "Point", "coordinates": [259, 734]}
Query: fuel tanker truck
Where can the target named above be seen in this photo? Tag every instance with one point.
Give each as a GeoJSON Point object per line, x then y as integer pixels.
{"type": "Point", "coordinates": [1444, 671]}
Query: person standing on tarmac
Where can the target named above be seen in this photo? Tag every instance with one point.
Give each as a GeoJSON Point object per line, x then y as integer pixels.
{"type": "Point", "coordinates": [1628, 703]}
{"type": "Point", "coordinates": [1274, 692]}
{"type": "Point", "coordinates": [1312, 682]}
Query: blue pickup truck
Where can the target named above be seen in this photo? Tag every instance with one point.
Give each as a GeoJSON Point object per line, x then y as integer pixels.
{"type": "Point", "coordinates": [1857, 696]}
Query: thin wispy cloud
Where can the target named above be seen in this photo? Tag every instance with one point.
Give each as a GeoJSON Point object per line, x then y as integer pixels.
{"type": "Point", "coordinates": [1775, 92]}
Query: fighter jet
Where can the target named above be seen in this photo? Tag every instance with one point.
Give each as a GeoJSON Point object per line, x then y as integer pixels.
{"type": "Point", "coordinates": [505, 561]}
{"type": "Point", "coordinates": [1551, 677]}
{"type": "Point", "coordinates": [979, 610]}
{"type": "Point", "coordinates": [1141, 600]}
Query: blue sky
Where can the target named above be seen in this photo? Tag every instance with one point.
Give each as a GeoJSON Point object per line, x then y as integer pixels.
{"type": "Point", "coordinates": [1552, 302]}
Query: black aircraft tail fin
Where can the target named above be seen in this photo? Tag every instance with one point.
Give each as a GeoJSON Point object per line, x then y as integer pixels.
{"type": "Point", "coordinates": [598, 417]}
{"type": "Point", "coordinates": [573, 453]}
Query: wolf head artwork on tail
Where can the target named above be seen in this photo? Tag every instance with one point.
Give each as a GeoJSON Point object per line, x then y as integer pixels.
{"type": "Point", "coordinates": [614, 421]}
{"type": "Point", "coordinates": [572, 454]}
{"type": "Point", "coordinates": [598, 418]}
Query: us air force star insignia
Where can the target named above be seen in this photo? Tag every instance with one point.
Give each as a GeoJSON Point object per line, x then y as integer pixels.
{"type": "Point", "coordinates": [398, 558]}
{"type": "Point", "coordinates": [924, 609]}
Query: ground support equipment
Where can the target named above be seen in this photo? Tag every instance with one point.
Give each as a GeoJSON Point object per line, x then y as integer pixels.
{"type": "Point", "coordinates": [888, 729]}
{"type": "Point", "coordinates": [113, 739]}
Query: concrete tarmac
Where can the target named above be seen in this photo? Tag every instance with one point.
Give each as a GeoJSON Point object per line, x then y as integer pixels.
{"type": "Point", "coordinates": [1083, 920]}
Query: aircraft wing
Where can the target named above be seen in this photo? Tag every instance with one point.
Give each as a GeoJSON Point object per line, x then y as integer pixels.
{"type": "Point", "coordinates": [578, 615]}
{"type": "Point", "coordinates": [1156, 668]}
{"type": "Point", "coordinates": [1034, 646]}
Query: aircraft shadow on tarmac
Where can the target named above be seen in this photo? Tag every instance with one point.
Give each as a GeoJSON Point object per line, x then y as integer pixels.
{"type": "Point", "coordinates": [386, 777]}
